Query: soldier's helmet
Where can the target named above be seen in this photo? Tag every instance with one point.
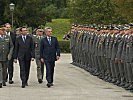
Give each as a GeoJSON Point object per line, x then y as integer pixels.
{"type": "Point", "coordinates": [131, 25]}
{"type": "Point", "coordinates": [40, 30]}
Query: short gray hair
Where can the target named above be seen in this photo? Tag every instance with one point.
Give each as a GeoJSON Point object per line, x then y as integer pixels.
{"type": "Point", "coordinates": [46, 28]}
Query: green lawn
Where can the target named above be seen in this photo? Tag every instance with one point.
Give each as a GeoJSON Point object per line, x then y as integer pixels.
{"type": "Point", "coordinates": [60, 27]}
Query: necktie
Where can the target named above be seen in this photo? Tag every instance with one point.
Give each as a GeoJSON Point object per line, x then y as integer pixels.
{"type": "Point", "coordinates": [8, 33]}
{"type": "Point", "coordinates": [49, 40]}
{"type": "Point", "coordinates": [24, 38]}
{"type": "Point", "coordinates": [39, 37]}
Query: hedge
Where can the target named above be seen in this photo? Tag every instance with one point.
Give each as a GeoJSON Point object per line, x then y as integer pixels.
{"type": "Point", "coordinates": [64, 46]}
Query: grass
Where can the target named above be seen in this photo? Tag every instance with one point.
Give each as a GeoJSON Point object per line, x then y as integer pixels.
{"type": "Point", "coordinates": [60, 27]}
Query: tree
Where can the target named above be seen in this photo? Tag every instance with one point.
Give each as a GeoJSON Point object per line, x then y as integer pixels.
{"type": "Point", "coordinates": [2, 4]}
{"type": "Point", "coordinates": [125, 8]}
{"type": "Point", "coordinates": [32, 12]}
{"type": "Point", "coordinates": [27, 12]}
{"type": "Point", "coordinates": [94, 11]}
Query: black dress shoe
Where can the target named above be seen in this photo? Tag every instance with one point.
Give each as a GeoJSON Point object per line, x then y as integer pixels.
{"type": "Point", "coordinates": [109, 79]}
{"type": "Point", "coordinates": [26, 84]}
{"type": "Point", "coordinates": [130, 87]}
{"type": "Point", "coordinates": [126, 85]}
{"type": "Point", "coordinates": [113, 81]}
{"type": "Point", "coordinates": [131, 90]}
{"type": "Point", "coordinates": [48, 85]}
{"type": "Point", "coordinates": [106, 78]}
{"type": "Point", "coordinates": [11, 82]}
{"type": "Point", "coordinates": [121, 84]}
{"type": "Point", "coordinates": [52, 84]}
{"type": "Point", "coordinates": [117, 82]}
{"type": "Point", "coordinates": [0, 85]}
{"type": "Point", "coordinates": [40, 81]}
{"type": "Point", "coordinates": [23, 85]}
{"type": "Point", "coordinates": [4, 83]}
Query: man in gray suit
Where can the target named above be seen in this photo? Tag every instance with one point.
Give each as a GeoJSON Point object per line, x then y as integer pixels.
{"type": "Point", "coordinates": [6, 49]}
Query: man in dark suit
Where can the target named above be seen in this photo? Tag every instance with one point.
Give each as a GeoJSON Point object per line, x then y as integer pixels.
{"type": "Point", "coordinates": [49, 53]}
{"type": "Point", "coordinates": [10, 62]}
{"type": "Point", "coordinates": [24, 51]}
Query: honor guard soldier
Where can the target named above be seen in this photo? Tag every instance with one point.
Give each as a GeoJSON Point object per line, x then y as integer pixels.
{"type": "Point", "coordinates": [40, 66]}
{"type": "Point", "coordinates": [6, 49]}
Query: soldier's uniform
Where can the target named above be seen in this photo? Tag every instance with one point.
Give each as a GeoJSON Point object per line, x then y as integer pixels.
{"type": "Point", "coordinates": [6, 49]}
{"type": "Point", "coordinates": [88, 37]}
{"type": "Point", "coordinates": [72, 45]}
{"type": "Point", "coordinates": [118, 65]}
{"type": "Point", "coordinates": [129, 54]}
{"type": "Point", "coordinates": [108, 55]}
{"type": "Point", "coordinates": [79, 48]}
{"type": "Point", "coordinates": [84, 50]}
{"type": "Point", "coordinates": [123, 59]}
{"type": "Point", "coordinates": [108, 36]}
{"type": "Point", "coordinates": [40, 65]}
{"type": "Point", "coordinates": [92, 35]}
{"type": "Point", "coordinates": [118, 58]}
{"type": "Point", "coordinates": [97, 69]}
{"type": "Point", "coordinates": [75, 48]}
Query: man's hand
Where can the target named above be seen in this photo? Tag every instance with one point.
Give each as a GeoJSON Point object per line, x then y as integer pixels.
{"type": "Point", "coordinates": [9, 57]}
{"type": "Point", "coordinates": [116, 60]}
{"type": "Point", "coordinates": [15, 60]}
{"type": "Point", "coordinates": [32, 59]}
{"type": "Point", "coordinates": [122, 61]}
{"type": "Point", "coordinates": [57, 57]}
{"type": "Point", "coordinates": [42, 60]}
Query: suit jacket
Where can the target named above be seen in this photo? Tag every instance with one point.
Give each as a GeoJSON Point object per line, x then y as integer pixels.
{"type": "Point", "coordinates": [24, 50]}
{"type": "Point", "coordinates": [13, 37]}
{"type": "Point", "coordinates": [49, 52]}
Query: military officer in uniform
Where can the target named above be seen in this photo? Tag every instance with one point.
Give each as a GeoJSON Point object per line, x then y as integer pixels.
{"type": "Point", "coordinates": [40, 65]}
{"type": "Point", "coordinates": [6, 49]}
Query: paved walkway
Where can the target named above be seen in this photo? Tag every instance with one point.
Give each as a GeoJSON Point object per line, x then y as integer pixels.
{"type": "Point", "coordinates": [71, 83]}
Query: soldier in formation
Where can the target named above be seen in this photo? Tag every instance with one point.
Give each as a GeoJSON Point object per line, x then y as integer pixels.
{"type": "Point", "coordinates": [106, 51]}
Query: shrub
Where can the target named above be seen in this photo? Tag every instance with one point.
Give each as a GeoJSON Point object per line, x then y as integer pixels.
{"type": "Point", "coordinates": [60, 27]}
{"type": "Point", "coordinates": [64, 46]}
